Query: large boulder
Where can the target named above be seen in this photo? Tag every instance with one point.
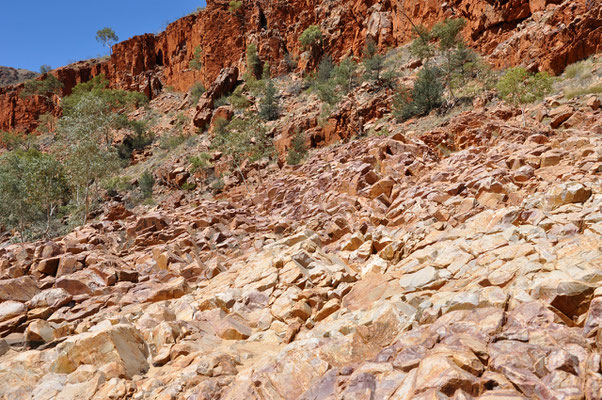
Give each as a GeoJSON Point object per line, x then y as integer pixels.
{"type": "Point", "coordinates": [120, 344]}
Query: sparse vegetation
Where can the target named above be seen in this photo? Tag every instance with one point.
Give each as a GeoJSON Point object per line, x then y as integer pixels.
{"type": "Point", "coordinates": [311, 36]}
{"type": "Point", "coordinates": [520, 87]}
{"type": "Point", "coordinates": [234, 6]}
{"type": "Point", "coordinates": [374, 63]}
{"type": "Point", "coordinates": [45, 88]}
{"type": "Point", "coordinates": [426, 95]}
{"type": "Point", "coordinates": [297, 151]}
{"type": "Point", "coordinates": [268, 106]}
{"type": "Point", "coordinates": [253, 63]}
{"type": "Point", "coordinates": [146, 182]}
{"type": "Point", "coordinates": [197, 60]}
{"type": "Point", "coordinates": [196, 92]}
{"type": "Point", "coordinates": [107, 38]}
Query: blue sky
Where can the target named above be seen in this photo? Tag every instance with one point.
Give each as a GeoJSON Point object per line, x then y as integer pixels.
{"type": "Point", "coordinates": [56, 33]}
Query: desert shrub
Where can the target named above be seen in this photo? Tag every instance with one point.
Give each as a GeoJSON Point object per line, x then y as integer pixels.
{"type": "Point", "coordinates": [520, 87]}
{"type": "Point", "coordinates": [46, 88]}
{"type": "Point", "coordinates": [146, 182]}
{"type": "Point", "coordinates": [238, 100]}
{"type": "Point", "coordinates": [200, 162]}
{"type": "Point", "coordinates": [117, 100]}
{"type": "Point", "coordinates": [426, 95]}
{"type": "Point", "coordinates": [244, 138]}
{"type": "Point", "coordinates": [253, 62]}
{"type": "Point", "coordinates": [196, 92]}
{"type": "Point", "coordinates": [32, 187]}
{"type": "Point", "coordinates": [325, 69]}
{"type": "Point", "coordinates": [117, 185]}
{"type": "Point", "coordinates": [221, 101]}
{"type": "Point", "coordinates": [234, 6]}
{"type": "Point", "coordinates": [139, 139]}
{"type": "Point", "coordinates": [311, 36]}
{"type": "Point", "coordinates": [297, 151]}
{"type": "Point", "coordinates": [374, 63]}
{"type": "Point", "coordinates": [268, 105]}
{"type": "Point", "coordinates": [345, 74]}
{"type": "Point", "coordinates": [575, 92]}
{"type": "Point", "coordinates": [197, 59]}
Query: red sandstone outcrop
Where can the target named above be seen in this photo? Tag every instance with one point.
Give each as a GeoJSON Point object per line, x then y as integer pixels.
{"type": "Point", "coordinates": [541, 34]}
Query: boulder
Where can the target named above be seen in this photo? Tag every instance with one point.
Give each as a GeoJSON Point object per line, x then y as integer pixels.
{"type": "Point", "coordinates": [120, 344]}
{"type": "Point", "coordinates": [18, 289]}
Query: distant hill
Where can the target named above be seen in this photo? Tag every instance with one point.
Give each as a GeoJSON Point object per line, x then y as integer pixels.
{"type": "Point", "coordinates": [9, 76]}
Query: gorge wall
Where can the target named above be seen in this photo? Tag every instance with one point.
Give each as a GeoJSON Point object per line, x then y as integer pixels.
{"type": "Point", "coordinates": [540, 34]}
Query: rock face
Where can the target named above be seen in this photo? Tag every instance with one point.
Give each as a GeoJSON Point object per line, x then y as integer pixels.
{"type": "Point", "coordinates": [11, 76]}
{"type": "Point", "coordinates": [541, 34]}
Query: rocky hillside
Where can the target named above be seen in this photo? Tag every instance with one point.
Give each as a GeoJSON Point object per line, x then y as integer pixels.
{"type": "Point", "coordinates": [11, 76]}
{"type": "Point", "coordinates": [540, 34]}
{"type": "Point", "coordinates": [453, 254]}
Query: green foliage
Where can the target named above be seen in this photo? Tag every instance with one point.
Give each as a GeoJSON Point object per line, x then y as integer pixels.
{"type": "Point", "coordinates": [234, 6]}
{"type": "Point", "coordinates": [311, 36]}
{"type": "Point", "coordinates": [222, 101]}
{"type": "Point", "coordinates": [374, 63]}
{"type": "Point", "coordinates": [107, 37]}
{"type": "Point", "coordinates": [244, 138]}
{"type": "Point", "coordinates": [85, 142]}
{"type": "Point", "coordinates": [200, 162]}
{"type": "Point", "coordinates": [268, 105]}
{"type": "Point", "coordinates": [196, 62]}
{"type": "Point", "coordinates": [420, 47]}
{"type": "Point", "coordinates": [32, 187]}
{"type": "Point", "coordinates": [47, 123]}
{"type": "Point", "coordinates": [518, 86]}
{"type": "Point", "coordinates": [146, 182]}
{"type": "Point", "coordinates": [117, 100]}
{"type": "Point", "coordinates": [447, 32]}
{"type": "Point", "coordinates": [16, 140]}
{"type": "Point", "coordinates": [327, 92]}
{"type": "Point", "coordinates": [217, 185]}
{"type": "Point", "coordinates": [117, 184]}
{"type": "Point", "coordinates": [325, 69]}
{"type": "Point", "coordinates": [196, 92]}
{"type": "Point", "coordinates": [45, 88]}
{"type": "Point", "coordinates": [575, 92]}
{"type": "Point", "coordinates": [297, 151]}
{"type": "Point", "coordinates": [170, 142]}
{"type": "Point", "coordinates": [253, 63]}
{"type": "Point", "coordinates": [44, 69]}
{"type": "Point", "coordinates": [238, 100]}
{"type": "Point", "coordinates": [266, 72]}
{"type": "Point", "coordinates": [423, 98]}
{"type": "Point", "coordinates": [345, 74]}
{"type": "Point", "coordinates": [139, 139]}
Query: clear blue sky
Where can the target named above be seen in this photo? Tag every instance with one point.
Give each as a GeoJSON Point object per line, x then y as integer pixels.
{"type": "Point", "coordinates": [56, 33]}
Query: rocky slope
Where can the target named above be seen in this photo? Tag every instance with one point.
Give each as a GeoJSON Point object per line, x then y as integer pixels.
{"type": "Point", "coordinates": [458, 261]}
{"type": "Point", "coordinates": [11, 76]}
{"type": "Point", "coordinates": [541, 34]}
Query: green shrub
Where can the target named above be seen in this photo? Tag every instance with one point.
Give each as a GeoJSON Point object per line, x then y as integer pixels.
{"type": "Point", "coordinates": [196, 62]}
{"type": "Point", "coordinates": [297, 151]}
{"type": "Point", "coordinates": [253, 63]}
{"type": "Point", "coordinates": [268, 105]}
{"type": "Point", "coordinates": [238, 100]}
{"type": "Point", "coordinates": [200, 162]}
{"type": "Point", "coordinates": [170, 142]}
{"type": "Point", "coordinates": [234, 6]}
{"type": "Point", "coordinates": [575, 92]}
{"type": "Point", "coordinates": [146, 182]}
{"type": "Point", "coordinates": [311, 36]}
{"type": "Point", "coordinates": [325, 69]}
{"type": "Point", "coordinates": [139, 140]}
{"type": "Point", "coordinates": [33, 186]}
{"type": "Point", "coordinates": [244, 138]}
{"type": "Point", "coordinates": [426, 95]}
{"type": "Point", "coordinates": [45, 88]}
{"type": "Point", "coordinates": [326, 92]}
{"type": "Point", "coordinates": [117, 185]}
{"type": "Point", "coordinates": [519, 87]}
{"type": "Point", "coordinates": [117, 100]}
{"type": "Point", "coordinates": [373, 62]}
{"type": "Point", "coordinates": [196, 92]}
{"type": "Point", "coordinates": [345, 74]}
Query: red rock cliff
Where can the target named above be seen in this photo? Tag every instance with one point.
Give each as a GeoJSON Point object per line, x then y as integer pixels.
{"type": "Point", "coordinates": [541, 34]}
